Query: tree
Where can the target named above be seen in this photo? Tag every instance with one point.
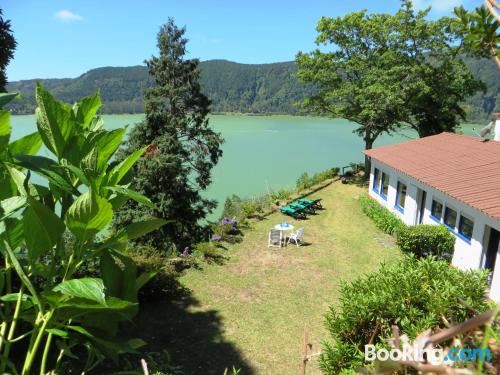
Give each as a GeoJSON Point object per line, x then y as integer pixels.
{"type": "Point", "coordinates": [436, 80]}
{"type": "Point", "coordinates": [357, 80]}
{"type": "Point", "coordinates": [7, 47]}
{"type": "Point", "coordinates": [182, 148]}
{"type": "Point", "coordinates": [387, 71]}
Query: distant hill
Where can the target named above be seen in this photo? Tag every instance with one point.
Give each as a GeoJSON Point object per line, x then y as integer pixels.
{"type": "Point", "coordinates": [232, 87]}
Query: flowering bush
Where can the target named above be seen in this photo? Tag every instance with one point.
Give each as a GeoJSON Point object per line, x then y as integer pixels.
{"type": "Point", "coordinates": [226, 230]}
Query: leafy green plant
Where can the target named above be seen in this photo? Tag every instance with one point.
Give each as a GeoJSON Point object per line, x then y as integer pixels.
{"type": "Point", "coordinates": [385, 220]}
{"type": "Point", "coordinates": [166, 269]}
{"type": "Point", "coordinates": [279, 195]}
{"type": "Point", "coordinates": [49, 233]}
{"type": "Point", "coordinates": [305, 181]}
{"type": "Point", "coordinates": [414, 294]}
{"type": "Point", "coordinates": [210, 252]}
{"type": "Point", "coordinates": [423, 240]}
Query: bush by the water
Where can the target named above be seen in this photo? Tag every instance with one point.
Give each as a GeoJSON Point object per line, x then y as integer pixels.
{"type": "Point", "coordinates": [244, 208]}
{"type": "Point", "coordinates": [385, 220]}
{"type": "Point", "coordinates": [423, 240]}
{"type": "Point", "coordinates": [414, 294]}
{"type": "Point", "coordinates": [305, 181]}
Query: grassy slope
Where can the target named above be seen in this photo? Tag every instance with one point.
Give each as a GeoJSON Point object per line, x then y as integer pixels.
{"type": "Point", "coordinates": [251, 312]}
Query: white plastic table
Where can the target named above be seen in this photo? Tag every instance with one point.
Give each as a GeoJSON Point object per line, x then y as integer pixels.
{"type": "Point", "coordinates": [283, 229]}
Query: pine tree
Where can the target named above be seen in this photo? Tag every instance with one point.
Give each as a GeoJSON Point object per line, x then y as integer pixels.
{"type": "Point", "coordinates": [182, 147]}
{"type": "Point", "coordinates": [7, 48]}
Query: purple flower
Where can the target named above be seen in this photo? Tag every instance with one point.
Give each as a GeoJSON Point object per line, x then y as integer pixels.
{"type": "Point", "coordinates": [233, 221]}
{"type": "Point", "coordinates": [185, 253]}
{"type": "Point", "coordinates": [225, 221]}
{"type": "Point", "coordinates": [216, 238]}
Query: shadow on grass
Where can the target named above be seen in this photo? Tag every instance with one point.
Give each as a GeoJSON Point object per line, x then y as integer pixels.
{"type": "Point", "coordinates": [194, 340]}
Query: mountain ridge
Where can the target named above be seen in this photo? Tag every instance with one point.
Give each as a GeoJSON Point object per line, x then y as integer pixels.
{"type": "Point", "coordinates": [233, 87]}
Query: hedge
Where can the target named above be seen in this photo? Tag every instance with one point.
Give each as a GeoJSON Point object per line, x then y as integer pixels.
{"type": "Point", "coordinates": [385, 220]}
{"type": "Point", "coordinates": [423, 240]}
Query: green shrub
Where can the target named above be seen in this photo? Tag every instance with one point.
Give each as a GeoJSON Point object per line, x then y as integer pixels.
{"type": "Point", "coordinates": [423, 240]}
{"type": "Point", "coordinates": [279, 195]}
{"type": "Point", "coordinates": [244, 208]}
{"type": "Point", "coordinates": [385, 220]}
{"type": "Point", "coordinates": [414, 294]}
{"type": "Point", "coordinates": [305, 181]}
{"type": "Point", "coordinates": [210, 252]}
{"type": "Point", "coordinates": [166, 269]}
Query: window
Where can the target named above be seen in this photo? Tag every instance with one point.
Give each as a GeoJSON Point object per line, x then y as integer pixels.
{"type": "Point", "coordinates": [436, 210]}
{"type": "Point", "coordinates": [450, 217]}
{"type": "Point", "coordinates": [400, 196]}
{"type": "Point", "coordinates": [376, 180]}
{"type": "Point", "coordinates": [466, 227]}
{"type": "Point", "coordinates": [385, 185]}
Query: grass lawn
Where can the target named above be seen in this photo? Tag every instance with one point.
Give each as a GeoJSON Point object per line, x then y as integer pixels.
{"type": "Point", "coordinates": [251, 311]}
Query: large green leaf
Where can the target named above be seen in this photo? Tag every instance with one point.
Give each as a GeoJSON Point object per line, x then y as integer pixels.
{"type": "Point", "coordinates": [7, 186]}
{"type": "Point", "coordinates": [49, 169]}
{"type": "Point", "coordinates": [4, 129]}
{"type": "Point", "coordinates": [136, 230]}
{"type": "Point", "coordinates": [112, 274]}
{"type": "Point", "coordinates": [28, 145]}
{"type": "Point", "coordinates": [42, 228]}
{"type": "Point", "coordinates": [6, 98]}
{"type": "Point", "coordinates": [12, 231]}
{"type": "Point", "coordinates": [87, 288]}
{"type": "Point", "coordinates": [88, 215]}
{"type": "Point", "coordinates": [120, 170]}
{"type": "Point", "coordinates": [107, 146]}
{"type": "Point", "coordinates": [55, 121]}
{"type": "Point", "coordinates": [121, 190]}
{"type": "Point", "coordinates": [19, 179]}
{"type": "Point", "coordinates": [86, 109]}
{"type": "Point", "coordinates": [10, 205]}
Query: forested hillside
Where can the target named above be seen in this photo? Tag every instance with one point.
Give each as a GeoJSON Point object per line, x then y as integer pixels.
{"type": "Point", "coordinates": [232, 87]}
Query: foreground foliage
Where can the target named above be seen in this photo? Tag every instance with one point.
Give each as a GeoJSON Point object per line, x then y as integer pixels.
{"type": "Point", "coordinates": [183, 147]}
{"type": "Point", "coordinates": [414, 294]}
{"type": "Point", "coordinates": [50, 233]}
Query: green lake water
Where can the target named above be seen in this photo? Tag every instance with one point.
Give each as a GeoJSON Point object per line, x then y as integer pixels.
{"type": "Point", "coordinates": [265, 152]}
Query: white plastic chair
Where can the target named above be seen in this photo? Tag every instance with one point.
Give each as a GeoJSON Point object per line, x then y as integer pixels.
{"type": "Point", "coordinates": [296, 237]}
{"type": "Point", "coordinates": [275, 238]}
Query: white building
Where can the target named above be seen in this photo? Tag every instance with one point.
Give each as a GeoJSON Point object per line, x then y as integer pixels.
{"type": "Point", "coordinates": [447, 179]}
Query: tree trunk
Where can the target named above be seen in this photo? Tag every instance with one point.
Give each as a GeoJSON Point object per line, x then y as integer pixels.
{"type": "Point", "coordinates": [368, 163]}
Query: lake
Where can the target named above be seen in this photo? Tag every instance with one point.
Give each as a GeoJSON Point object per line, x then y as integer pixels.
{"type": "Point", "coordinates": [265, 152]}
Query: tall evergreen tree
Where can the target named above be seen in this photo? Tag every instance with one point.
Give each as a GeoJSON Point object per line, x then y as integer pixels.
{"type": "Point", "coordinates": [182, 147]}
{"type": "Point", "coordinates": [7, 48]}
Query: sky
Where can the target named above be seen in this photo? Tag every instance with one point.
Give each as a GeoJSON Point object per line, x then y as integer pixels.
{"type": "Point", "coordinates": [66, 38]}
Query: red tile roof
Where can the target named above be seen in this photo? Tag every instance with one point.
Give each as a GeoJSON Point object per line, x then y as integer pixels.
{"type": "Point", "coordinates": [463, 167]}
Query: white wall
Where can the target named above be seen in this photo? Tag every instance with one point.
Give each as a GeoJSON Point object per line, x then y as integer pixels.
{"type": "Point", "coordinates": [466, 255]}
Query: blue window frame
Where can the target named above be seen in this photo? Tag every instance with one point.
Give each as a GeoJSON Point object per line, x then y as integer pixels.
{"type": "Point", "coordinates": [436, 210]}
{"type": "Point", "coordinates": [376, 180]}
{"type": "Point", "coordinates": [400, 197]}
{"type": "Point", "coordinates": [450, 218]}
{"type": "Point", "coordinates": [385, 185]}
{"type": "Point", "coordinates": [465, 228]}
